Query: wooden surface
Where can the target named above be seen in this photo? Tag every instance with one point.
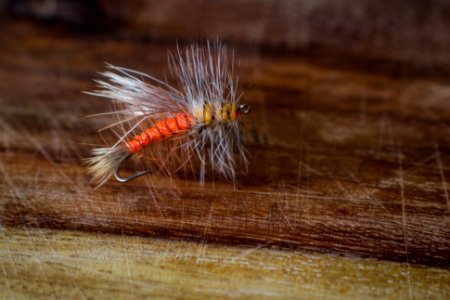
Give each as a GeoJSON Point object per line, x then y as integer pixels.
{"type": "Point", "coordinates": [65, 264]}
{"type": "Point", "coordinates": [348, 176]}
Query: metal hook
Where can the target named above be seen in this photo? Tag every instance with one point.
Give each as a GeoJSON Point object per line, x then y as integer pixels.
{"type": "Point", "coordinates": [129, 178]}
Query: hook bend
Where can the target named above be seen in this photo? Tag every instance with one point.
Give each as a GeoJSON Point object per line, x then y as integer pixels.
{"type": "Point", "coordinates": [129, 178]}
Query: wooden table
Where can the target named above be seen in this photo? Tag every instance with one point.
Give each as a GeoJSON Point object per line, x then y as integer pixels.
{"type": "Point", "coordinates": [346, 194]}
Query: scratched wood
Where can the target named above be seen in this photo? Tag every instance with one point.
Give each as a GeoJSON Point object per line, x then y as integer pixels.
{"type": "Point", "coordinates": [341, 161]}
{"type": "Point", "coordinates": [347, 157]}
{"type": "Point", "coordinates": [48, 264]}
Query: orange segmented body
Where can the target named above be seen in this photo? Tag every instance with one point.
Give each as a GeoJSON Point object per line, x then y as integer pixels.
{"type": "Point", "coordinates": [162, 130]}
{"type": "Point", "coordinates": [169, 127]}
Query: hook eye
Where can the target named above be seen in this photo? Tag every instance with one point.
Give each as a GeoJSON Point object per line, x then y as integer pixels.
{"type": "Point", "coordinates": [245, 108]}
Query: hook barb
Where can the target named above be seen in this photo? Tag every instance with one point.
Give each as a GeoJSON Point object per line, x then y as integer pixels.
{"type": "Point", "coordinates": [129, 178]}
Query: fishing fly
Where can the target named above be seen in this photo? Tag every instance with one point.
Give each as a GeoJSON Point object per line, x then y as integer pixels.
{"type": "Point", "coordinates": [192, 125]}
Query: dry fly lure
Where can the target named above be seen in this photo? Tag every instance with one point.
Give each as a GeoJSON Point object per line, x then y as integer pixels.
{"type": "Point", "coordinates": [193, 125]}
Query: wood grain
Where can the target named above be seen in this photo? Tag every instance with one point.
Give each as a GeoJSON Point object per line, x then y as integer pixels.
{"type": "Point", "coordinates": [48, 264]}
{"type": "Point", "coordinates": [342, 161]}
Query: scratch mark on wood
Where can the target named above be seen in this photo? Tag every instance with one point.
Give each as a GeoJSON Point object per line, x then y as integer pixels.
{"type": "Point", "coordinates": [127, 260]}
{"type": "Point", "coordinates": [208, 220]}
{"type": "Point", "coordinates": [405, 232]}
{"type": "Point", "coordinates": [440, 167]}
{"type": "Point", "coordinates": [309, 168]}
{"type": "Point", "coordinates": [285, 217]}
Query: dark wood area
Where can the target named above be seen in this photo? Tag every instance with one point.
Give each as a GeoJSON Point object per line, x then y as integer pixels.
{"type": "Point", "coordinates": [349, 151]}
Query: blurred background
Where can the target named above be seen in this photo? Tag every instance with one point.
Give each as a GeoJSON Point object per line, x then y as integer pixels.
{"type": "Point", "coordinates": [387, 36]}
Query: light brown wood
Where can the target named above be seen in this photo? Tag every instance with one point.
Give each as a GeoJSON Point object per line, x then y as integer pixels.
{"type": "Point", "coordinates": [50, 264]}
